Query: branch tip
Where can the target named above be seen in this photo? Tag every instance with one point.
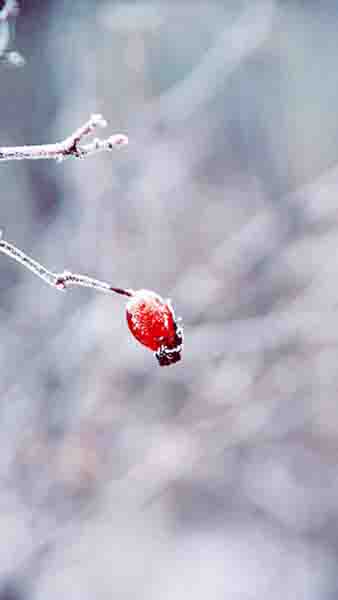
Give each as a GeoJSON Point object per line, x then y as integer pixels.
{"type": "Point", "coordinates": [70, 146]}
{"type": "Point", "coordinates": [98, 120]}
{"type": "Point", "coordinates": [118, 139]}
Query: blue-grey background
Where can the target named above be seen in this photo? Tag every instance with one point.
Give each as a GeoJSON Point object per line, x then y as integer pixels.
{"type": "Point", "coordinates": [217, 477]}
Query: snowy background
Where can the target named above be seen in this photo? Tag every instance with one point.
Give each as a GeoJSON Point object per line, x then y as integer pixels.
{"type": "Point", "coordinates": [217, 477]}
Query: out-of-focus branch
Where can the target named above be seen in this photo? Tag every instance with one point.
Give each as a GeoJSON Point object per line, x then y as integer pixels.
{"type": "Point", "coordinates": [71, 146]}
{"type": "Point", "coordinates": [63, 280]}
{"type": "Point", "coordinates": [231, 48]}
{"type": "Point", "coordinates": [9, 9]}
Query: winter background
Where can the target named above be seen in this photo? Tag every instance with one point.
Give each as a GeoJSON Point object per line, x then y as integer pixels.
{"type": "Point", "coordinates": [216, 477]}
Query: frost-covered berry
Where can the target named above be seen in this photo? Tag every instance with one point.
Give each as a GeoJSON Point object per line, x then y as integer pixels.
{"type": "Point", "coordinates": [152, 322]}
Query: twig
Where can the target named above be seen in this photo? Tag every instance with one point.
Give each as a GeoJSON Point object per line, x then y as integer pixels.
{"type": "Point", "coordinates": [69, 147]}
{"type": "Point", "coordinates": [63, 280]}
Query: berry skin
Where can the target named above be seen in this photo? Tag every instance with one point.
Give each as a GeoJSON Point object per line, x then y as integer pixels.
{"type": "Point", "coordinates": [152, 322]}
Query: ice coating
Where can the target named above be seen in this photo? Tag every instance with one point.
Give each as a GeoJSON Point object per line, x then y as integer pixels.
{"type": "Point", "coordinates": [152, 322]}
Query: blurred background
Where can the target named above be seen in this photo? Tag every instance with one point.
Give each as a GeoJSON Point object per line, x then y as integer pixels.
{"type": "Point", "coordinates": [216, 477]}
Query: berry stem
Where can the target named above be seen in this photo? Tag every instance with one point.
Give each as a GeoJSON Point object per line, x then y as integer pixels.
{"type": "Point", "coordinates": [123, 292]}
{"type": "Point", "coordinates": [60, 281]}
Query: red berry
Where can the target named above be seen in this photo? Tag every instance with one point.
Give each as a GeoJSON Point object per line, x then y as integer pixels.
{"type": "Point", "coordinates": [152, 322]}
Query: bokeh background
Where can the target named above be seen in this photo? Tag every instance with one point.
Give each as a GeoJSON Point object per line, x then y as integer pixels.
{"type": "Point", "coordinates": [216, 477]}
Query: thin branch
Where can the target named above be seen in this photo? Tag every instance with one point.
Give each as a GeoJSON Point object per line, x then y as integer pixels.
{"type": "Point", "coordinates": [69, 147]}
{"type": "Point", "coordinates": [60, 281]}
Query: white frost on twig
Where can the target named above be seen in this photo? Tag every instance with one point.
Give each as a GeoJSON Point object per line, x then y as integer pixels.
{"type": "Point", "coordinates": [71, 146]}
{"type": "Point", "coordinates": [63, 280]}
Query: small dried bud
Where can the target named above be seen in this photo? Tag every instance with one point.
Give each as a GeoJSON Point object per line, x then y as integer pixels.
{"type": "Point", "coordinates": [152, 322]}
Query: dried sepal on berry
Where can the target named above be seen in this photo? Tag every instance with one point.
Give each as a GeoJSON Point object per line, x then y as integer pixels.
{"type": "Point", "coordinates": [152, 322]}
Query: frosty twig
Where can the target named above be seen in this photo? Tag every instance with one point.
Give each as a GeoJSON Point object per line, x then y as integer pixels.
{"type": "Point", "coordinates": [62, 280]}
{"type": "Point", "coordinates": [70, 146]}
